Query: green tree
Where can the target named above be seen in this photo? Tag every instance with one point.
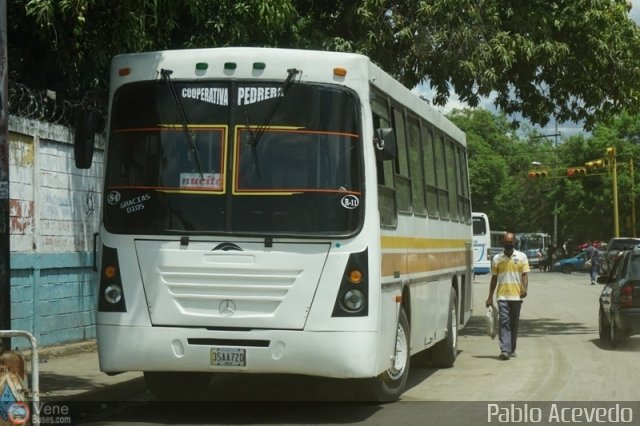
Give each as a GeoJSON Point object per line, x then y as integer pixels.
{"type": "Point", "coordinates": [499, 161]}
{"type": "Point", "coordinates": [574, 59]}
{"type": "Point", "coordinates": [623, 134]}
{"type": "Point", "coordinates": [71, 42]}
{"type": "Point", "coordinates": [498, 164]}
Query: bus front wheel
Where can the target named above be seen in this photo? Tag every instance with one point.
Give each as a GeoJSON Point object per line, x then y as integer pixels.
{"type": "Point", "coordinates": [389, 385]}
{"type": "Point", "coordinates": [177, 386]}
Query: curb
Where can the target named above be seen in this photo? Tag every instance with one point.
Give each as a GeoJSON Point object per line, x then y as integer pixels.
{"type": "Point", "coordinates": [62, 350]}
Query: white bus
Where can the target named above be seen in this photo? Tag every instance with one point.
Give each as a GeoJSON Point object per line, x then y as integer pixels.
{"type": "Point", "coordinates": [497, 241]}
{"type": "Point", "coordinates": [481, 244]}
{"type": "Point", "coordinates": [277, 211]}
{"type": "Point", "coordinates": [535, 245]}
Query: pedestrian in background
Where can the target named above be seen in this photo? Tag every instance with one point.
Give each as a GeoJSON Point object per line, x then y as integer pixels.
{"type": "Point", "coordinates": [593, 254]}
{"type": "Point", "coordinates": [549, 261]}
{"type": "Point", "coordinates": [509, 271]}
{"type": "Point", "coordinates": [540, 256]}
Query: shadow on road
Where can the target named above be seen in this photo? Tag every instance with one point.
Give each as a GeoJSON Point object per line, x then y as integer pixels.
{"type": "Point", "coordinates": [631, 344]}
{"type": "Point", "coordinates": [63, 382]}
{"type": "Point", "coordinates": [532, 327]}
{"type": "Point", "coordinates": [233, 413]}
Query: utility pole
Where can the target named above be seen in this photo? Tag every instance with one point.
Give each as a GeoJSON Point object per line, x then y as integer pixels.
{"type": "Point", "coordinates": [5, 228]}
{"type": "Point", "coordinates": [633, 200]}
{"type": "Point", "coordinates": [555, 206]}
{"type": "Point", "coordinates": [554, 237]}
{"type": "Point", "coordinates": [611, 153]}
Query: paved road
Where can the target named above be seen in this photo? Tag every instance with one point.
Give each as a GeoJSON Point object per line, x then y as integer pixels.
{"type": "Point", "coordinates": [559, 359]}
{"type": "Point", "coordinates": [559, 355]}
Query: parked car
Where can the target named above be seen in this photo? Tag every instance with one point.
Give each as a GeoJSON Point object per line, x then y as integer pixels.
{"type": "Point", "coordinates": [570, 264]}
{"type": "Point", "coordinates": [615, 246]}
{"type": "Point", "coordinates": [619, 313]}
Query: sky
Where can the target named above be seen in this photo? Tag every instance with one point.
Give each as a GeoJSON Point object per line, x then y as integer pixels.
{"type": "Point", "coordinates": [564, 129]}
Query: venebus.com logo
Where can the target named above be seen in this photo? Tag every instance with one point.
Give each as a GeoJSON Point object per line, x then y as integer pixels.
{"type": "Point", "coordinates": [52, 414]}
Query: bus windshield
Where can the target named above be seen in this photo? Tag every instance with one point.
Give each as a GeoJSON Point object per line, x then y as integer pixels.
{"type": "Point", "coordinates": [304, 177]}
{"type": "Point", "coordinates": [532, 241]}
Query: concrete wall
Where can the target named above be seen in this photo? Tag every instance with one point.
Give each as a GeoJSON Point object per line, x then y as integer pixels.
{"type": "Point", "coordinates": [54, 213]}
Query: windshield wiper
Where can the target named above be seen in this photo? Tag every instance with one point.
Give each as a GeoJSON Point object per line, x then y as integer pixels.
{"type": "Point", "coordinates": [253, 146]}
{"type": "Point", "coordinates": [254, 137]}
{"type": "Point", "coordinates": [166, 76]}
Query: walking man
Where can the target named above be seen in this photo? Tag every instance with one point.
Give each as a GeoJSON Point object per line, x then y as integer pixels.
{"type": "Point", "coordinates": [593, 254]}
{"type": "Point", "coordinates": [509, 271]}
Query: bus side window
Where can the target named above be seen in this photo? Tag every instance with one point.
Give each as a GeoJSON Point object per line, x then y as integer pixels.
{"type": "Point", "coordinates": [403, 182]}
{"type": "Point", "coordinates": [415, 165]}
{"type": "Point", "coordinates": [429, 170]}
{"type": "Point", "coordinates": [386, 183]}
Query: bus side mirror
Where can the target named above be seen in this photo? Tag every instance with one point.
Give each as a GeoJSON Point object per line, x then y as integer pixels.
{"type": "Point", "coordinates": [385, 143]}
{"type": "Point", "coordinates": [84, 138]}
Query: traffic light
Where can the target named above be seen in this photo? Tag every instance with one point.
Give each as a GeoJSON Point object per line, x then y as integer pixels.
{"type": "Point", "coordinates": [611, 152]}
{"type": "Point", "coordinates": [595, 164]}
{"type": "Point", "coordinates": [534, 174]}
{"type": "Point", "coordinates": [576, 171]}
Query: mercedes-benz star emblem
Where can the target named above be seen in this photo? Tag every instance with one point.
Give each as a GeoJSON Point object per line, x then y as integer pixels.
{"type": "Point", "coordinates": [227, 308]}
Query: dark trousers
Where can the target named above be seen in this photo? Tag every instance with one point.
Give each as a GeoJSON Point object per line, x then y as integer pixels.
{"type": "Point", "coordinates": [595, 267]}
{"type": "Point", "coordinates": [509, 312]}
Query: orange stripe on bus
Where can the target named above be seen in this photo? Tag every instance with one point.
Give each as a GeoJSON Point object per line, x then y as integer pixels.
{"type": "Point", "coordinates": [414, 263]}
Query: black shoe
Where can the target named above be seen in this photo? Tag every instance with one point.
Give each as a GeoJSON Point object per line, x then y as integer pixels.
{"type": "Point", "coordinates": [504, 356]}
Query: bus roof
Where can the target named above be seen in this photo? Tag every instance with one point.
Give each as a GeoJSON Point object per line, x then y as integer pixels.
{"type": "Point", "coordinates": [272, 64]}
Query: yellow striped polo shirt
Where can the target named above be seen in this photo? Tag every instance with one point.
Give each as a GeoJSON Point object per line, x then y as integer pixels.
{"type": "Point", "coordinates": [509, 271]}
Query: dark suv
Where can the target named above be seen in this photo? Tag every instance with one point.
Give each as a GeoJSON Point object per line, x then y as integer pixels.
{"type": "Point", "coordinates": [616, 246]}
{"type": "Point", "coordinates": [619, 313]}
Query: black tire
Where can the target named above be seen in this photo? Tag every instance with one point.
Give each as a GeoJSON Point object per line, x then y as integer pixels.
{"type": "Point", "coordinates": [444, 353]}
{"type": "Point", "coordinates": [567, 269]}
{"type": "Point", "coordinates": [616, 337]}
{"type": "Point", "coordinates": [389, 385]}
{"type": "Point", "coordinates": [603, 327]}
{"type": "Point", "coordinates": [177, 386]}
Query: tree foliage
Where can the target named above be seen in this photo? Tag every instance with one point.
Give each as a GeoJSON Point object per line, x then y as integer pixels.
{"type": "Point", "coordinates": [574, 59]}
{"type": "Point", "coordinates": [72, 41]}
{"type": "Point", "coordinates": [499, 161]}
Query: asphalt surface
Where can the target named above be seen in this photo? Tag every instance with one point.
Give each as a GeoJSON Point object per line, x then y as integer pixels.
{"type": "Point", "coordinates": [560, 360]}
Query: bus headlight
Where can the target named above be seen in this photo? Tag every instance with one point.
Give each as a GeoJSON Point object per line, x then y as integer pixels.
{"type": "Point", "coordinates": [113, 294]}
{"type": "Point", "coordinates": [352, 297]}
{"type": "Point", "coordinates": [353, 300]}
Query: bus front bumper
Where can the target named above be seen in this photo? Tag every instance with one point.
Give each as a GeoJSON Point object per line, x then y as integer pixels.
{"type": "Point", "coordinates": [325, 354]}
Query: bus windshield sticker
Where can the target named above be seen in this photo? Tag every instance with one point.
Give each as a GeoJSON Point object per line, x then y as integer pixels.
{"type": "Point", "coordinates": [113, 198]}
{"type": "Point", "coordinates": [196, 181]}
{"type": "Point", "coordinates": [135, 204]}
{"type": "Point", "coordinates": [252, 95]}
{"type": "Point", "coordinates": [350, 202]}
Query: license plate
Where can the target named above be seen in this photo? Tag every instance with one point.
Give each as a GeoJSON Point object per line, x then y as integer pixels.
{"type": "Point", "coordinates": [229, 357]}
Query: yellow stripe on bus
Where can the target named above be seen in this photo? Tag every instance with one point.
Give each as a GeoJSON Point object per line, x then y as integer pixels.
{"type": "Point", "coordinates": [422, 243]}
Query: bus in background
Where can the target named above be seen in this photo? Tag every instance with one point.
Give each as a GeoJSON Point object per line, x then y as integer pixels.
{"type": "Point", "coordinates": [496, 243]}
{"type": "Point", "coordinates": [481, 243]}
{"type": "Point", "coordinates": [277, 211]}
{"type": "Point", "coordinates": [534, 245]}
